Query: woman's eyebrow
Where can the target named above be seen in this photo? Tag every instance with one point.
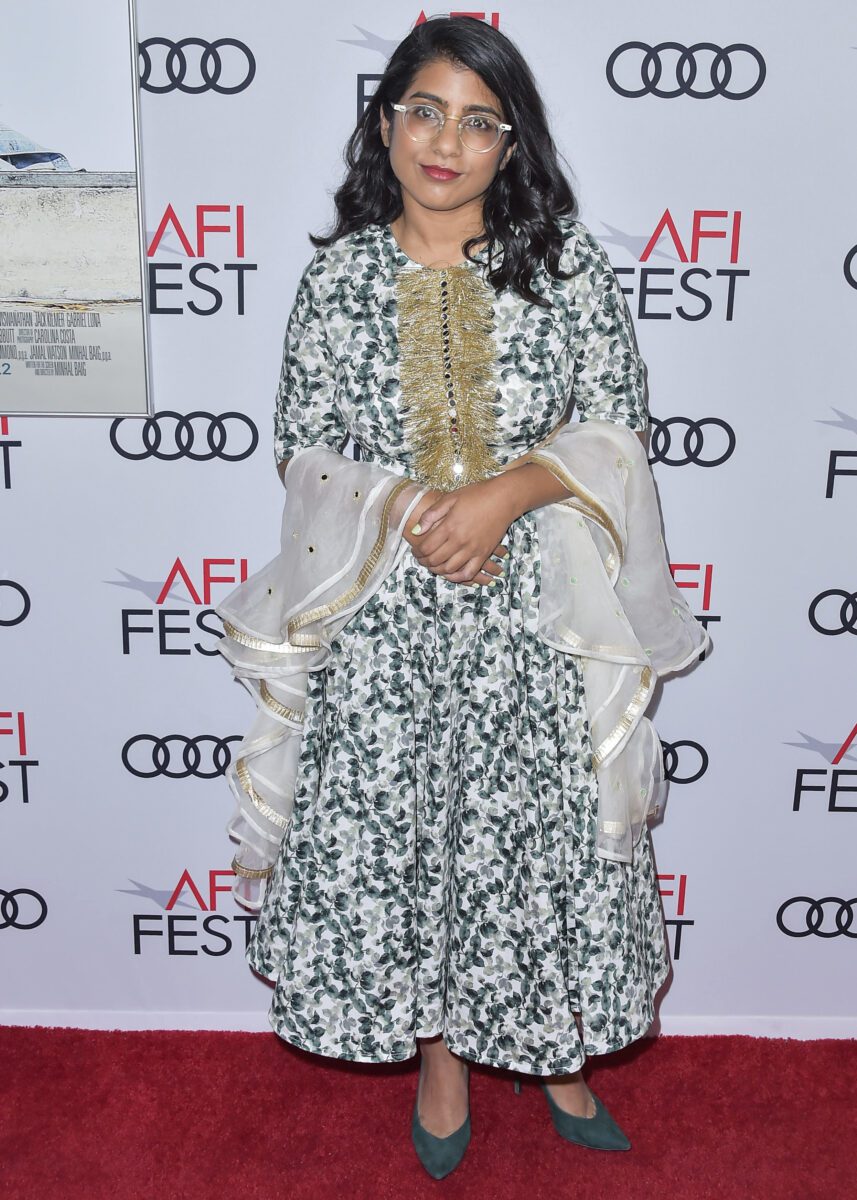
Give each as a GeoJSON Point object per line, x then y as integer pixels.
{"type": "Point", "coordinates": [486, 108]}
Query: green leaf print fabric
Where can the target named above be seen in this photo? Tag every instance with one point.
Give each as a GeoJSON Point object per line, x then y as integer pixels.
{"type": "Point", "coordinates": [438, 873]}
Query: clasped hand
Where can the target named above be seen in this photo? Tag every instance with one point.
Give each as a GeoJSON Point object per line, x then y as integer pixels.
{"type": "Point", "coordinates": [460, 531]}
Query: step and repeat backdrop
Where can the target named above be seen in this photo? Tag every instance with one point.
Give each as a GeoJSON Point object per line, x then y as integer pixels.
{"type": "Point", "coordinates": [701, 144]}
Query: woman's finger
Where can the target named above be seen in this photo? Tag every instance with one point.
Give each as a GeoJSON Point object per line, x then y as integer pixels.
{"type": "Point", "coordinates": [448, 565]}
{"type": "Point", "coordinates": [466, 571]}
{"type": "Point", "coordinates": [496, 562]}
{"type": "Point", "coordinates": [488, 571]}
{"type": "Point", "coordinates": [482, 577]}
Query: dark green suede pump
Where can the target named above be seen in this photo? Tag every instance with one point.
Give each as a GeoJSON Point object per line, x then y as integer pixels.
{"type": "Point", "coordinates": [439, 1155]}
{"type": "Point", "coordinates": [598, 1132]}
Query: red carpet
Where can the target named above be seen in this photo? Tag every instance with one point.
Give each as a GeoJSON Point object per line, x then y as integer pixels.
{"type": "Point", "coordinates": [223, 1116]}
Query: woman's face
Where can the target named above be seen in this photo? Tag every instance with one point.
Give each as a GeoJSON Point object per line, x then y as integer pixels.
{"type": "Point", "coordinates": [455, 91]}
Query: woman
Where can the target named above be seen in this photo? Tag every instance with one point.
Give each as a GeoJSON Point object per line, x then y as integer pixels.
{"type": "Point", "coordinates": [446, 859]}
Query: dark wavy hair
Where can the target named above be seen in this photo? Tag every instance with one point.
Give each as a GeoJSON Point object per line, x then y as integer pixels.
{"type": "Point", "coordinates": [523, 202]}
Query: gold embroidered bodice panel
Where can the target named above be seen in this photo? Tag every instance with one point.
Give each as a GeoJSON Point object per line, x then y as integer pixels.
{"type": "Point", "coordinates": [447, 363]}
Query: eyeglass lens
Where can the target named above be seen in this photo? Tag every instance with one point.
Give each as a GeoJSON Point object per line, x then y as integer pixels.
{"type": "Point", "coordinates": [478, 132]}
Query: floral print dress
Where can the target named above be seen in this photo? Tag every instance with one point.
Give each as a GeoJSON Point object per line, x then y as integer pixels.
{"type": "Point", "coordinates": [438, 874]}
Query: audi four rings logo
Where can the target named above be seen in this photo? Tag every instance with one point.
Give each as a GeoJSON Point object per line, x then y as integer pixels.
{"type": "Point", "coordinates": [682, 74]}
{"type": "Point", "coordinates": [841, 619]}
{"type": "Point", "coordinates": [814, 916]}
{"type": "Point", "coordinates": [707, 443]}
{"type": "Point", "coordinates": [161, 760]}
{"type": "Point", "coordinates": [22, 914]}
{"type": "Point", "coordinates": [171, 69]}
{"type": "Point", "coordinates": [231, 436]}
{"type": "Point", "coordinates": [19, 602]}
{"type": "Point", "coordinates": [697, 758]}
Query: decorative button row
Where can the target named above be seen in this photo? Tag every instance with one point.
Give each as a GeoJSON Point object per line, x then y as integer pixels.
{"type": "Point", "coordinates": [458, 466]}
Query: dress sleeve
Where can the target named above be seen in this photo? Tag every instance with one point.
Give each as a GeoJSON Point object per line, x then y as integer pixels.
{"type": "Point", "coordinates": [306, 411]}
{"type": "Point", "coordinates": [609, 374]}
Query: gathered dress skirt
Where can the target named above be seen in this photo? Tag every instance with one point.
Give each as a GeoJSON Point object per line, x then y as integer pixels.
{"type": "Point", "coordinates": [438, 874]}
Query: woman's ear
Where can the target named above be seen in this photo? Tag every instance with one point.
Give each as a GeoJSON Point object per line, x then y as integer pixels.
{"type": "Point", "coordinates": [385, 129]}
{"type": "Point", "coordinates": [508, 155]}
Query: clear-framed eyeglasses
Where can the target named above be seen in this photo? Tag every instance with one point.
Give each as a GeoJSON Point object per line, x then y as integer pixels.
{"type": "Point", "coordinates": [479, 132]}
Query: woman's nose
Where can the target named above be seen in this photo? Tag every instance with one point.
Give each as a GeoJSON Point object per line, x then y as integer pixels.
{"type": "Point", "coordinates": [447, 140]}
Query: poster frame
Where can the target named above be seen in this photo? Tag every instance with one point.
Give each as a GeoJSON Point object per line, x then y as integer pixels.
{"type": "Point", "coordinates": [149, 411]}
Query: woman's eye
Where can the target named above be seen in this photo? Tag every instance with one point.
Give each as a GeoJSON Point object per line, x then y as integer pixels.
{"type": "Point", "coordinates": [479, 123]}
{"type": "Point", "coordinates": [425, 113]}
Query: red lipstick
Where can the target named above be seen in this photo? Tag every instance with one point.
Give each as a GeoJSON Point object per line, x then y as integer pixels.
{"type": "Point", "coordinates": [440, 173]}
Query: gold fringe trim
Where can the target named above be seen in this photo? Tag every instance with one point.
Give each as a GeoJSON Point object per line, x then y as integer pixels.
{"type": "Point", "coordinates": [627, 719]}
{"type": "Point", "coordinates": [254, 643]}
{"type": "Point", "coordinates": [303, 642]}
{"type": "Point", "coordinates": [584, 502]}
{"type": "Point", "coordinates": [426, 359]}
{"type": "Point", "coordinates": [265, 809]}
{"type": "Point", "coordinates": [335, 606]}
{"type": "Point", "coordinates": [250, 872]}
{"type": "Point", "coordinates": [300, 643]}
{"type": "Point", "coordinates": [282, 710]}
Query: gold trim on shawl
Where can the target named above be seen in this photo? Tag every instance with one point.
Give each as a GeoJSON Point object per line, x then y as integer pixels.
{"type": "Point", "coordinates": [302, 644]}
{"type": "Point", "coordinates": [250, 872]}
{"type": "Point", "coordinates": [628, 718]}
{"type": "Point", "coordinates": [619, 654]}
{"type": "Point", "coordinates": [246, 782]}
{"type": "Point", "coordinates": [282, 710]}
{"type": "Point", "coordinates": [254, 643]}
{"type": "Point", "coordinates": [335, 606]}
{"type": "Point", "coordinates": [587, 504]}
{"type": "Point", "coordinates": [446, 349]}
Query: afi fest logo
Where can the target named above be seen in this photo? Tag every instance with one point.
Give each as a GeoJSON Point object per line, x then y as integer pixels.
{"type": "Point", "coordinates": [840, 463]}
{"type": "Point", "coordinates": [697, 577]}
{"type": "Point", "coordinates": [15, 760]}
{"type": "Point", "coordinates": [195, 238]}
{"type": "Point", "coordinates": [834, 787]}
{"type": "Point", "coordinates": [202, 929]}
{"type": "Point", "coordinates": [366, 83]}
{"type": "Point", "coordinates": [700, 291]}
{"type": "Point", "coordinates": [676, 894]}
{"type": "Point", "coordinates": [174, 630]}
{"type": "Point", "coordinates": [7, 443]}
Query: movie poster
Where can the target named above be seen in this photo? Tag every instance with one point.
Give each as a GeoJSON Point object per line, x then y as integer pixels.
{"type": "Point", "coordinates": [73, 335]}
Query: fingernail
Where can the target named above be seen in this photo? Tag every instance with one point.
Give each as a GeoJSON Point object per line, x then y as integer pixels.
{"type": "Point", "coordinates": [417, 529]}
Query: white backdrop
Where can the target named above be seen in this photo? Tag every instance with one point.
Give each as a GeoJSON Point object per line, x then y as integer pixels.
{"type": "Point", "coordinates": [110, 565]}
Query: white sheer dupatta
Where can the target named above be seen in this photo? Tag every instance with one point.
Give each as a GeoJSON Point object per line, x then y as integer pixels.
{"type": "Point", "coordinates": [607, 596]}
{"type": "Point", "coordinates": [341, 536]}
